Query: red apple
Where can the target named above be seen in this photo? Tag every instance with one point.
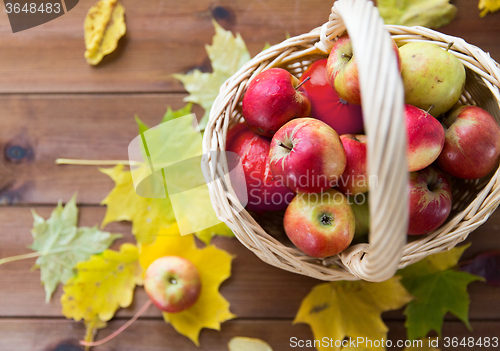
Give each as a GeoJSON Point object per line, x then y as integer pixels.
{"type": "Point", "coordinates": [320, 225]}
{"type": "Point", "coordinates": [472, 145]}
{"type": "Point", "coordinates": [264, 192]}
{"type": "Point", "coordinates": [307, 155]}
{"type": "Point", "coordinates": [429, 200]}
{"type": "Point", "coordinates": [425, 138]}
{"type": "Point", "coordinates": [172, 283]}
{"type": "Point", "coordinates": [327, 106]}
{"type": "Point", "coordinates": [342, 70]}
{"type": "Point", "coordinates": [272, 99]}
{"type": "Point", "coordinates": [354, 180]}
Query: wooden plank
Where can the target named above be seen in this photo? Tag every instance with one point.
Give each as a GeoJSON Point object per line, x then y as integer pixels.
{"type": "Point", "coordinates": [163, 37]}
{"type": "Point", "coordinates": [149, 335]}
{"type": "Point", "coordinates": [166, 37]}
{"type": "Point", "coordinates": [255, 290]}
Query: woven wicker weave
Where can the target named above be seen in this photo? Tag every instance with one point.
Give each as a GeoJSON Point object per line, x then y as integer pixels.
{"type": "Point", "coordinates": [383, 95]}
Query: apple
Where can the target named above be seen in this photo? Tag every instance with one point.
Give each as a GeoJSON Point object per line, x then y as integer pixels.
{"type": "Point", "coordinates": [354, 180]}
{"type": "Point", "coordinates": [429, 200]}
{"type": "Point", "coordinates": [432, 77]}
{"type": "Point", "coordinates": [265, 193]}
{"type": "Point", "coordinates": [320, 225]}
{"type": "Point", "coordinates": [342, 69]}
{"type": "Point", "coordinates": [172, 283]}
{"type": "Point", "coordinates": [472, 144]}
{"type": "Point", "coordinates": [425, 138]}
{"type": "Point", "coordinates": [307, 155]}
{"type": "Point", "coordinates": [361, 210]}
{"type": "Point", "coordinates": [272, 99]}
{"type": "Point", "coordinates": [327, 106]}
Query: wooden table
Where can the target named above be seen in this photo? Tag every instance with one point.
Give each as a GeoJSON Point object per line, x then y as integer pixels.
{"type": "Point", "coordinates": [52, 104]}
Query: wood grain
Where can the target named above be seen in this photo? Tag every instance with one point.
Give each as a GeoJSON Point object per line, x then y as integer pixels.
{"type": "Point", "coordinates": [152, 335]}
{"type": "Point", "coordinates": [166, 37]}
{"type": "Point", "coordinates": [255, 289]}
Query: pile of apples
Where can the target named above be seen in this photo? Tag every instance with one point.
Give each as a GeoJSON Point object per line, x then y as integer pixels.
{"type": "Point", "coordinates": [302, 147]}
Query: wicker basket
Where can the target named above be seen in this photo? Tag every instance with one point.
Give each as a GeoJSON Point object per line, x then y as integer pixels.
{"type": "Point", "coordinates": [383, 95]}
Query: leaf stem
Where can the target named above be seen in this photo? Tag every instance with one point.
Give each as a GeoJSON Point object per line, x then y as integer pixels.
{"type": "Point", "coordinates": [38, 254]}
{"type": "Point", "coordinates": [70, 161]}
{"type": "Point", "coordinates": [119, 330]}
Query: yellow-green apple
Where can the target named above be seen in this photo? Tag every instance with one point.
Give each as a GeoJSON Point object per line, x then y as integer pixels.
{"type": "Point", "coordinates": [425, 138]}
{"type": "Point", "coordinates": [264, 192]}
{"type": "Point", "coordinates": [320, 224]}
{"type": "Point", "coordinates": [327, 106]}
{"type": "Point", "coordinates": [354, 180]}
{"type": "Point", "coordinates": [433, 78]}
{"type": "Point", "coordinates": [361, 210]}
{"type": "Point", "coordinates": [472, 144]}
{"type": "Point", "coordinates": [172, 283]}
{"type": "Point", "coordinates": [429, 200]}
{"type": "Point", "coordinates": [342, 69]}
{"type": "Point", "coordinates": [307, 155]}
{"type": "Point", "coordinates": [272, 99]}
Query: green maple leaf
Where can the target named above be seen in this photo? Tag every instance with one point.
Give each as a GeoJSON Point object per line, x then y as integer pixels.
{"type": "Point", "coordinates": [61, 244]}
{"type": "Point", "coordinates": [228, 53]}
{"type": "Point", "coordinates": [427, 13]}
{"type": "Point", "coordinates": [438, 289]}
{"type": "Point", "coordinates": [169, 115]}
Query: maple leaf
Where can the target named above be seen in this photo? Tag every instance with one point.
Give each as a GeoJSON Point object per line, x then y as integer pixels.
{"type": "Point", "coordinates": [227, 54]}
{"type": "Point", "coordinates": [488, 6]}
{"type": "Point", "coordinates": [438, 288]}
{"type": "Point", "coordinates": [102, 284]}
{"type": "Point", "coordinates": [427, 13]}
{"type": "Point", "coordinates": [104, 25]}
{"type": "Point", "coordinates": [169, 115]}
{"type": "Point", "coordinates": [351, 309]}
{"type": "Point", "coordinates": [214, 265]}
{"type": "Point", "coordinates": [148, 215]}
{"type": "Point", "coordinates": [62, 244]}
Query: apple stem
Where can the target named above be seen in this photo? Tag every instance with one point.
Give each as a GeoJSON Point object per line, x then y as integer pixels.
{"type": "Point", "coordinates": [444, 121]}
{"type": "Point", "coordinates": [449, 46]}
{"type": "Point", "coordinates": [285, 146]}
{"type": "Point", "coordinates": [119, 330]}
{"type": "Point", "coordinates": [429, 109]}
{"type": "Point", "coordinates": [302, 83]}
{"type": "Point", "coordinates": [346, 55]}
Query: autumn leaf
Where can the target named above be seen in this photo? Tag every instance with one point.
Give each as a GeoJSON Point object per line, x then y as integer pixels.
{"type": "Point", "coordinates": [427, 13]}
{"type": "Point", "coordinates": [488, 6]}
{"type": "Point", "coordinates": [148, 215]}
{"type": "Point", "coordinates": [61, 244]}
{"type": "Point", "coordinates": [214, 265]}
{"type": "Point", "coordinates": [240, 343]}
{"type": "Point", "coordinates": [351, 309]}
{"type": "Point", "coordinates": [169, 115]}
{"type": "Point", "coordinates": [102, 284]}
{"type": "Point", "coordinates": [438, 288]}
{"type": "Point", "coordinates": [104, 25]}
{"type": "Point", "coordinates": [227, 54]}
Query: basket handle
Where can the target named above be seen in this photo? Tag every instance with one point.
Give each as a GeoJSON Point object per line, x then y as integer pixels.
{"type": "Point", "coordinates": [382, 102]}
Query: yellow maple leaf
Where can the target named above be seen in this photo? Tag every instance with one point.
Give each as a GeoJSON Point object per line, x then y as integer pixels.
{"type": "Point", "coordinates": [351, 309]}
{"type": "Point", "coordinates": [214, 266]}
{"type": "Point", "coordinates": [487, 6]}
{"type": "Point", "coordinates": [104, 25]}
{"type": "Point", "coordinates": [147, 215]}
{"type": "Point", "coordinates": [241, 343]}
{"type": "Point", "coordinates": [102, 284]}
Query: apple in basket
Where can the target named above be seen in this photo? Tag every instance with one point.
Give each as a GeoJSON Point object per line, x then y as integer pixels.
{"type": "Point", "coordinates": [172, 283]}
{"type": "Point", "coordinates": [265, 193]}
{"type": "Point", "coordinates": [425, 138]}
{"type": "Point", "coordinates": [273, 98]}
{"type": "Point", "coordinates": [472, 145]}
{"type": "Point", "coordinates": [433, 78]}
{"type": "Point", "coordinates": [429, 200]}
{"type": "Point", "coordinates": [354, 180]}
{"type": "Point", "coordinates": [342, 69]}
{"type": "Point", "coordinates": [307, 155]}
{"type": "Point", "coordinates": [320, 224]}
{"type": "Point", "coordinates": [327, 106]}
